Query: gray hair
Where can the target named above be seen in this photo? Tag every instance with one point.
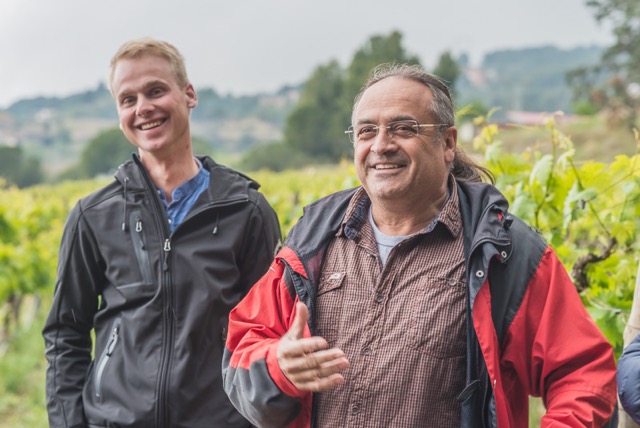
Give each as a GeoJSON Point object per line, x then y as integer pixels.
{"type": "Point", "coordinates": [463, 167]}
{"type": "Point", "coordinates": [442, 105]}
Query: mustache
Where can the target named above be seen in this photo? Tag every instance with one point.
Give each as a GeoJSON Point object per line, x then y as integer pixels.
{"type": "Point", "coordinates": [373, 158]}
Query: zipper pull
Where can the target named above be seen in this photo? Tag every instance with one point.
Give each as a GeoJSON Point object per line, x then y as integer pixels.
{"type": "Point", "coordinates": [113, 340]}
{"type": "Point", "coordinates": [139, 226]}
{"type": "Point", "coordinates": [167, 248]}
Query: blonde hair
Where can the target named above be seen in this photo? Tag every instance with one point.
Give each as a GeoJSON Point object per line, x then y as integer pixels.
{"type": "Point", "coordinates": [138, 48]}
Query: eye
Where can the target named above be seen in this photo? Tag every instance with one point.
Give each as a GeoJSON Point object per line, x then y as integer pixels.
{"type": "Point", "coordinates": [156, 92]}
{"type": "Point", "coordinates": [127, 101]}
{"type": "Point", "coordinates": [366, 132]}
{"type": "Point", "coordinates": [403, 129]}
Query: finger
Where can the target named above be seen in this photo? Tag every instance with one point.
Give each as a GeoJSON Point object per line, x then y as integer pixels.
{"type": "Point", "coordinates": [323, 371]}
{"type": "Point", "coordinates": [316, 364]}
{"type": "Point", "coordinates": [324, 384]}
{"type": "Point", "coordinates": [294, 348]}
{"type": "Point", "coordinates": [296, 331]}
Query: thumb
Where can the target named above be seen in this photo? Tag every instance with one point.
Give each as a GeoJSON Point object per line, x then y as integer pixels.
{"type": "Point", "coordinates": [296, 331]}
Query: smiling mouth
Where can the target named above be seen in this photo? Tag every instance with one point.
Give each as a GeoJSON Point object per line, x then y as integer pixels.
{"type": "Point", "coordinates": [151, 125]}
{"type": "Point", "coordinates": [386, 166]}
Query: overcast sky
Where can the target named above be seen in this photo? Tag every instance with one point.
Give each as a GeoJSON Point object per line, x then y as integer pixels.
{"type": "Point", "coordinates": [59, 47]}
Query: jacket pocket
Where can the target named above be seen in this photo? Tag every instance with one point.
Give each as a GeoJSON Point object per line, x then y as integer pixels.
{"type": "Point", "coordinates": [140, 246]}
{"type": "Point", "coordinates": [105, 357]}
{"type": "Point", "coordinates": [471, 406]}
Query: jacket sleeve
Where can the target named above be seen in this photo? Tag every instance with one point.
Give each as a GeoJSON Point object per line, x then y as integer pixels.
{"type": "Point", "coordinates": [570, 364]}
{"type": "Point", "coordinates": [251, 375]}
{"type": "Point", "coordinates": [629, 379]}
{"type": "Point", "coordinates": [67, 328]}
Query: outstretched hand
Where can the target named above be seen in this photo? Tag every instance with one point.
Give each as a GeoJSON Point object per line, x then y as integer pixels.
{"type": "Point", "coordinates": [307, 362]}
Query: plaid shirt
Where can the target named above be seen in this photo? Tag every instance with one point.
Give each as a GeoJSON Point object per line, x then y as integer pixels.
{"type": "Point", "coordinates": [401, 326]}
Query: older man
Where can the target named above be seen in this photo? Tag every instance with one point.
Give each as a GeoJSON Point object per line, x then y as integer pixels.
{"type": "Point", "coordinates": [416, 299]}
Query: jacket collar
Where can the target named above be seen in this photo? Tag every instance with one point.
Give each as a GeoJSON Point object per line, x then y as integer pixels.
{"type": "Point", "coordinates": [225, 183]}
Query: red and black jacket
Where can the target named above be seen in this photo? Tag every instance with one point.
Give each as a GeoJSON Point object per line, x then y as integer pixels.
{"type": "Point", "coordinates": [528, 331]}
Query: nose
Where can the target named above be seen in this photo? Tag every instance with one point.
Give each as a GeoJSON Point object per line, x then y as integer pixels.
{"type": "Point", "coordinates": [144, 107]}
{"type": "Point", "coordinates": [383, 142]}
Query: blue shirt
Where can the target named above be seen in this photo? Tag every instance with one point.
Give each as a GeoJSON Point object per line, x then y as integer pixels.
{"type": "Point", "coordinates": [184, 196]}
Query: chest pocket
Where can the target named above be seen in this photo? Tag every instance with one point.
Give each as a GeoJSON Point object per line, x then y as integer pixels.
{"type": "Point", "coordinates": [329, 298]}
{"type": "Point", "coordinates": [438, 318]}
{"type": "Point", "coordinates": [140, 246]}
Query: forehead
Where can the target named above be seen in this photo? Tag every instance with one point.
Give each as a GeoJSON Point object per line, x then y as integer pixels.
{"type": "Point", "coordinates": [391, 98]}
{"type": "Point", "coordinates": [134, 73]}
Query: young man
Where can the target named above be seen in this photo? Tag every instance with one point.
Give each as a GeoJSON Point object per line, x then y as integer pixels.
{"type": "Point", "coordinates": [152, 263]}
{"type": "Point", "coordinates": [417, 299]}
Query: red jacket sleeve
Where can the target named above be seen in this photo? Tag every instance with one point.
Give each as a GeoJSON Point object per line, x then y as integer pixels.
{"type": "Point", "coordinates": [553, 349]}
{"type": "Point", "coordinates": [252, 377]}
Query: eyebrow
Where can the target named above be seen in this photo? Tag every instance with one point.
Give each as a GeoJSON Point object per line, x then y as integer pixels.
{"type": "Point", "coordinates": [397, 118]}
{"type": "Point", "coordinates": [145, 87]}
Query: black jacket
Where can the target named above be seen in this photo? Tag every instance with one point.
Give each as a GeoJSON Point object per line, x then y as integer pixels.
{"type": "Point", "coordinates": [158, 302]}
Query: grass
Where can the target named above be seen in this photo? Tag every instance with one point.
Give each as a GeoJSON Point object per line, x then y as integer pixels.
{"type": "Point", "coordinates": [591, 136]}
{"type": "Point", "coordinates": [22, 375]}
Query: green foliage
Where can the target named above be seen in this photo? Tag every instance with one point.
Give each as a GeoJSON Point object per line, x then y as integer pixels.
{"type": "Point", "coordinates": [103, 154]}
{"type": "Point", "coordinates": [582, 209]}
{"type": "Point", "coordinates": [18, 169]}
{"type": "Point", "coordinates": [379, 49]}
{"type": "Point", "coordinates": [22, 374]}
{"type": "Point", "coordinates": [624, 17]}
{"type": "Point", "coordinates": [315, 128]}
{"type": "Point", "coordinates": [585, 108]}
{"type": "Point", "coordinates": [448, 69]}
{"type": "Point", "coordinates": [274, 156]}
{"type": "Point", "coordinates": [588, 212]}
{"type": "Point", "coordinates": [613, 83]}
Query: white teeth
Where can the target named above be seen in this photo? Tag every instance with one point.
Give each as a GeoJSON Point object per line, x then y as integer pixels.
{"type": "Point", "coordinates": [151, 125]}
{"type": "Point", "coordinates": [386, 166]}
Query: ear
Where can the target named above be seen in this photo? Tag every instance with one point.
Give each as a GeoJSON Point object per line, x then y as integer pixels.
{"type": "Point", "coordinates": [450, 141]}
{"type": "Point", "coordinates": [120, 126]}
{"type": "Point", "coordinates": [192, 97]}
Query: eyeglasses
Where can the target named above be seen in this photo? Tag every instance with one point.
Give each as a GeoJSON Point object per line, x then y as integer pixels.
{"type": "Point", "coordinates": [399, 129]}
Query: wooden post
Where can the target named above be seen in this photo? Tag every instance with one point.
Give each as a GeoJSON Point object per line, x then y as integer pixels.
{"type": "Point", "coordinates": [631, 330]}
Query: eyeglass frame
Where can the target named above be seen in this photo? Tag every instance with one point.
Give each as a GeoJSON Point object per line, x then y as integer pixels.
{"type": "Point", "coordinates": [417, 126]}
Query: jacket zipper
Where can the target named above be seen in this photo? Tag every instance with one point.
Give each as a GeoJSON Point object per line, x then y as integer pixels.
{"type": "Point", "coordinates": [162, 410]}
{"type": "Point", "coordinates": [106, 355]}
{"type": "Point", "coordinates": [140, 247]}
{"type": "Point", "coordinates": [485, 380]}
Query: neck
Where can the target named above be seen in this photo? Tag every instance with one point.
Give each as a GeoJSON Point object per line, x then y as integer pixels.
{"type": "Point", "coordinates": [169, 173]}
{"type": "Point", "coordinates": [397, 219]}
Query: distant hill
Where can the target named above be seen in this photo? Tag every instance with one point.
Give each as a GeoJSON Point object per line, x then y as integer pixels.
{"type": "Point", "coordinates": [531, 79]}
{"type": "Point", "coordinates": [55, 130]}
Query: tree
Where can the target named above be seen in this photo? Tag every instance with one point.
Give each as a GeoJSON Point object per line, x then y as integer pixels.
{"type": "Point", "coordinates": [108, 150]}
{"type": "Point", "coordinates": [620, 92]}
{"type": "Point", "coordinates": [315, 127]}
{"type": "Point", "coordinates": [18, 169]}
{"type": "Point", "coordinates": [447, 69]}
{"type": "Point", "coordinates": [102, 154]}
{"type": "Point", "coordinates": [377, 50]}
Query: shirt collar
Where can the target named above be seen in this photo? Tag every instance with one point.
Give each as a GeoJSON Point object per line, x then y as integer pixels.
{"type": "Point", "coordinates": [357, 213]}
{"type": "Point", "coordinates": [188, 187]}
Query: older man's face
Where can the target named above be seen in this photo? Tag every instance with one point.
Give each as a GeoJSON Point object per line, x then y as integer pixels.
{"type": "Point", "coordinates": [396, 169]}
